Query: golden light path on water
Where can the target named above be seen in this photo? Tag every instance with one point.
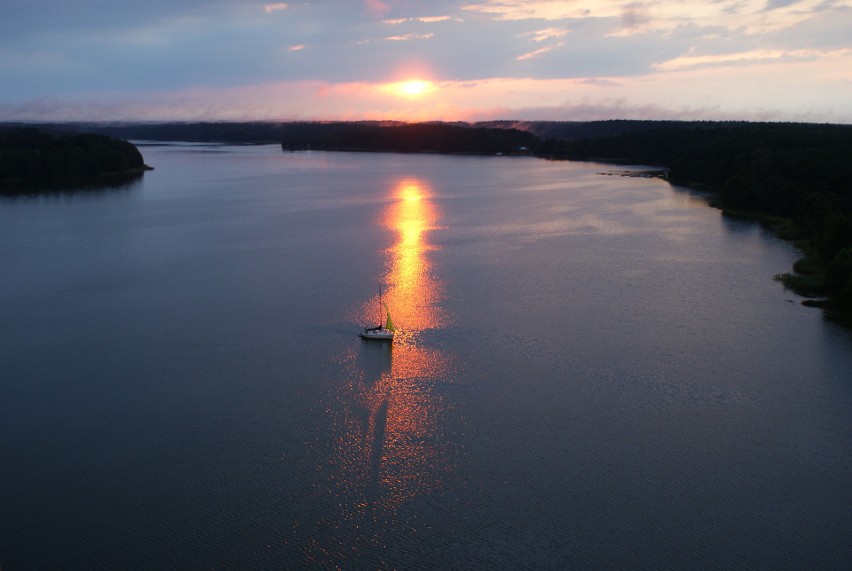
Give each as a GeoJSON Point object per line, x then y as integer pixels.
{"type": "Point", "coordinates": [413, 291]}
{"type": "Point", "coordinates": [389, 447]}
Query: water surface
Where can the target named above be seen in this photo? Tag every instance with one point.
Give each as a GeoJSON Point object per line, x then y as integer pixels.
{"type": "Point", "coordinates": [591, 371]}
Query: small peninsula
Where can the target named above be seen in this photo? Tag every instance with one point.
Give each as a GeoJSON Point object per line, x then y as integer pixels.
{"type": "Point", "coordinates": [35, 160]}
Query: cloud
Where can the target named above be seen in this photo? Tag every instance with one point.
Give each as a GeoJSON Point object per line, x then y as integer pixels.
{"type": "Point", "coordinates": [748, 57]}
{"type": "Point", "coordinates": [545, 9]}
{"type": "Point", "coordinates": [277, 7]}
{"type": "Point", "coordinates": [546, 34]}
{"type": "Point", "coordinates": [296, 48]}
{"type": "Point", "coordinates": [538, 52]}
{"type": "Point", "coordinates": [753, 93]}
{"type": "Point", "coordinates": [601, 82]}
{"type": "Point", "coordinates": [422, 19]}
{"type": "Point", "coordinates": [654, 16]}
{"type": "Point", "coordinates": [407, 37]}
{"type": "Point", "coordinates": [635, 19]}
{"type": "Point", "coordinates": [377, 7]}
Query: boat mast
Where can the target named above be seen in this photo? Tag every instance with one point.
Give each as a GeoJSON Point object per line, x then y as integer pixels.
{"type": "Point", "coordinates": [380, 304]}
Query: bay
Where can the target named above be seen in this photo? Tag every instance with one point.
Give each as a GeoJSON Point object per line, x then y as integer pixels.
{"type": "Point", "coordinates": [591, 371]}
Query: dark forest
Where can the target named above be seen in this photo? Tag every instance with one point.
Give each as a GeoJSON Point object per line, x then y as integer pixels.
{"type": "Point", "coordinates": [796, 178]}
{"type": "Point", "coordinates": [33, 160]}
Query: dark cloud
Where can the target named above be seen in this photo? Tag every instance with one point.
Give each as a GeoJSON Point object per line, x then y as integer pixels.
{"type": "Point", "coordinates": [635, 15]}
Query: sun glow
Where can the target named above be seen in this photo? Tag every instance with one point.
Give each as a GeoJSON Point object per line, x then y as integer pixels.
{"type": "Point", "coordinates": [413, 87]}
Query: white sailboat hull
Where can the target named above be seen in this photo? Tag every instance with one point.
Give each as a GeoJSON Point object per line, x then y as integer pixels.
{"type": "Point", "coordinates": [382, 335]}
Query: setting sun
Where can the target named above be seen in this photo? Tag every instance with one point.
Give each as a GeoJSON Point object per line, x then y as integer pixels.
{"type": "Point", "coordinates": [413, 87]}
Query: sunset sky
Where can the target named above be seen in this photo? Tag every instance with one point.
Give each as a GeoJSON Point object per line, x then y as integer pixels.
{"type": "Point", "coordinates": [777, 60]}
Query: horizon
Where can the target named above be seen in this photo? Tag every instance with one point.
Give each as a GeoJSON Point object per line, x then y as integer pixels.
{"type": "Point", "coordinates": [411, 61]}
{"type": "Point", "coordinates": [392, 122]}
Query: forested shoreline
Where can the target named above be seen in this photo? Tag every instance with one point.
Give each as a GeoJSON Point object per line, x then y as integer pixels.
{"type": "Point", "coordinates": [797, 178]}
{"type": "Point", "coordinates": [423, 137]}
{"type": "Point", "coordinates": [33, 160]}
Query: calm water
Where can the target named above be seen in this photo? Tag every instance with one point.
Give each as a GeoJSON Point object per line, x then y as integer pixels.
{"type": "Point", "coordinates": [592, 371]}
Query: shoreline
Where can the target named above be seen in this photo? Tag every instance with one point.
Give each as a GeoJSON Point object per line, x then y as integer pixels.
{"type": "Point", "coordinates": [806, 279]}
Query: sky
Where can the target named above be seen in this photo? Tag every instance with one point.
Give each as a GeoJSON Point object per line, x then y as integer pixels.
{"type": "Point", "coordinates": [468, 60]}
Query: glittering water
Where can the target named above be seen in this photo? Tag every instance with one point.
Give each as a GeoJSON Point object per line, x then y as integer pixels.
{"type": "Point", "coordinates": [590, 371]}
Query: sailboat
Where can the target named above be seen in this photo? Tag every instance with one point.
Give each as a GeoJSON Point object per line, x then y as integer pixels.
{"type": "Point", "coordinates": [381, 332]}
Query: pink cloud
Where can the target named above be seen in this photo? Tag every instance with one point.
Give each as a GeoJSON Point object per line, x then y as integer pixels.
{"type": "Point", "coordinates": [269, 8]}
{"type": "Point", "coordinates": [377, 7]}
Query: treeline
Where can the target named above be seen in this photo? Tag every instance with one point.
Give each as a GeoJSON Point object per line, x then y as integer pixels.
{"type": "Point", "coordinates": [245, 132]}
{"type": "Point", "coordinates": [415, 137]}
{"type": "Point", "coordinates": [33, 160]}
{"type": "Point", "coordinates": [338, 135]}
{"type": "Point", "coordinates": [573, 130]}
{"type": "Point", "coordinates": [472, 138]}
{"type": "Point", "coordinates": [263, 132]}
{"type": "Point", "coordinates": [801, 172]}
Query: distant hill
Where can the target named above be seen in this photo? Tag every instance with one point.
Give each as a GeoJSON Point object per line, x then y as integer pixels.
{"type": "Point", "coordinates": [32, 159]}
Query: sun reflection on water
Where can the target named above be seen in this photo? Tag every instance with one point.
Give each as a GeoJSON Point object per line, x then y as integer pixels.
{"type": "Point", "coordinates": [413, 291]}
{"type": "Point", "coordinates": [404, 458]}
{"type": "Point", "coordinates": [390, 446]}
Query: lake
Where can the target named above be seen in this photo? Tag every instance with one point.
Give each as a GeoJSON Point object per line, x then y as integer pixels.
{"type": "Point", "coordinates": [590, 371]}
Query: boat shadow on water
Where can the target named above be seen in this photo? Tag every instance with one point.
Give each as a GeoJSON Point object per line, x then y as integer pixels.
{"type": "Point", "coordinates": [376, 360]}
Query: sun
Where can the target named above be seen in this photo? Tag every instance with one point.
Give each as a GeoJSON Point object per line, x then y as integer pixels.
{"type": "Point", "coordinates": [413, 87]}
